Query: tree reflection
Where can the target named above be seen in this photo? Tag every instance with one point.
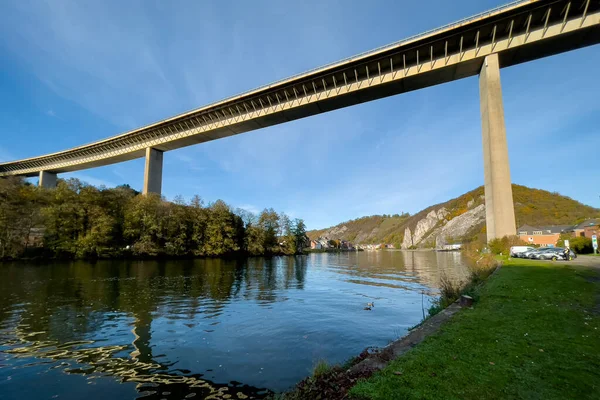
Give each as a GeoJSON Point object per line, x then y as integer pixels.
{"type": "Point", "coordinates": [72, 306]}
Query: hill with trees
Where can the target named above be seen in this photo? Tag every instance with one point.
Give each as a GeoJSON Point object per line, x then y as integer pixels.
{"type": "Point", "coordinates": [77, 220]}
{"type": "Point", "coordinates": [533, 207]}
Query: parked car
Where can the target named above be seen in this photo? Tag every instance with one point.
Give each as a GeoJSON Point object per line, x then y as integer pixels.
{"type": "Point", "coordinates": [527, 253]}
{"type": "Point", "coordinates": [556, 253]}
{"type": "Point", "coordinates": [518, 251]}
{"type": "Point", "coordinates": [537, 252]}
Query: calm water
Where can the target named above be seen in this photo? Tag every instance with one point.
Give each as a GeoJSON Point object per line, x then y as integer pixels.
{"type": "Point", "coordinates": [202, 328]}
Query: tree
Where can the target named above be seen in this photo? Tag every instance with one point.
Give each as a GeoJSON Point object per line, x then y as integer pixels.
{"type": "Point", "coordinates": [19, 213]}
{"type": "Point", "coordinates": [268, 220]}
{"type": "Point", "coordinates": [81, 221]}
{"type": "Point", "coordinates": [222, 230]}
{"type": "Point", "coordinates": [144, 224]}
{"type": "Point", "coordinates": [199, 218]}
{"type": "Point", "coordinates": [299, 232]}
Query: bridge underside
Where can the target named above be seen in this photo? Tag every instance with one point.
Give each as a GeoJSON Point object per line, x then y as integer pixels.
{"type": "Point", "coordinates": [368, 91]}
{"type": "Point", "coordinates": [517, 33]}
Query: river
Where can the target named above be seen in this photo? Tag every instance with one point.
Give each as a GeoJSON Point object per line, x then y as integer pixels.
{"type": "Point", "coordinates": [205, 328]}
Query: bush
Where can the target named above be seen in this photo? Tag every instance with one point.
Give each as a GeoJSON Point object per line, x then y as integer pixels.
{"type": "Point", "coordinates": [503, 245]}
{"type": "Point", "coordinates": [579, 244]}
{"type": "Point", "coordinates": [321, 369]}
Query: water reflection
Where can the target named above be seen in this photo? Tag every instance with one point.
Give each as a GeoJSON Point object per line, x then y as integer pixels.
{"type": "Point", "coordinates": [200, 327]}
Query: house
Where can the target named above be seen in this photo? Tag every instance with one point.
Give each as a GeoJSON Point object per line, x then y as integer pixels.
{"type": "Point", "coordinates": [451, 247]}
{"type": "Point", "coordinates": [346, 245]}
{"type": "Point", "coordinates": [324, 243]}
{"type": "Point", "coordinates": [587, 228]}
{"type": "Point", "coordinates": [542, 235]}
{"type": "Point", "coordinates": [315, 245]}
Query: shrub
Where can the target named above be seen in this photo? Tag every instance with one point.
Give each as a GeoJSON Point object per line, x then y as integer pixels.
{"type": "Point", "coordinates": [503, 245]}
{"type": "Point", "coordinates": [580, 244]}
{"type": "Point", "coordinates": [321, 368]}
{"type": "Point", "coordinates": [435, 307]}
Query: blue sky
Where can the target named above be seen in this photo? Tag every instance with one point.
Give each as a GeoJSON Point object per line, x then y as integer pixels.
{"type": "Point", "coordinates": [75, 72]}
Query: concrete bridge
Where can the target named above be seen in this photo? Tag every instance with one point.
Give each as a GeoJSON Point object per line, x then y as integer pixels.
{"type": "Point", "coordinates": [480, 45]}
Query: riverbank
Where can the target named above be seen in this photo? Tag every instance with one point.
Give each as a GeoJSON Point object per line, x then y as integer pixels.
{"type": "Point", "coordinates": [126, 255]}
{"type": "Point", "coordinates": [535, 333]}
{"type": "Point", "coordinates": [309, 251]}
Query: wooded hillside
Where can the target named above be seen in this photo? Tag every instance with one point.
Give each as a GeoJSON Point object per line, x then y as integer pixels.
{"type": "Point", "coordinates": [532, 207]}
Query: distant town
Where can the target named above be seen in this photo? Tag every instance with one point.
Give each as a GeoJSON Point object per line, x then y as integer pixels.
{"type": "Point", "coordinates": [324, 243]}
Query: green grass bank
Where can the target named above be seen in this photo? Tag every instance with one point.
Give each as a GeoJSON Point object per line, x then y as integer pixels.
{"type": "Point", "coordinates": [533, 334]}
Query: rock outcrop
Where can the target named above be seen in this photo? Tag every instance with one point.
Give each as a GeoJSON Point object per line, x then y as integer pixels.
{"type": "Point", "coordinates": [424, 226]}
{"type": "Point", "coordinates": [459, 226]}
{"type": "Point", "coordinates": [408, 241]}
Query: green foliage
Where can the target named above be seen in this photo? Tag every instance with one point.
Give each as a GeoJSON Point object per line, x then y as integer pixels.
{"type": "Point", "coordinates": [321, 369]}
{"type": "Point", "coordinates": [436, 307]}
{"type": "Point", "coordinates": [299, 233]}
{"type": "Point", "coordinates": [503, 245]}
{"type": "Point", "coordinates": [81, 221]}
{"type": "Point", "coordinates": [370, 230]}
{"type": "Point", "coordinates": [19, 214]}
{"type": "Point", "coordinates": [579, 244]}
{"type": "Point", "coordinates": [539, 207]}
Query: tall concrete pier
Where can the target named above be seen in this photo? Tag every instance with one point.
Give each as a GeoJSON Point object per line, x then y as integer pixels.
{"type": "Point", "coordinates": [153, 171]}
{"type": "Point", "coordinates": [47, 180]}
{"type": "Point", "coordinates": [499, 209]}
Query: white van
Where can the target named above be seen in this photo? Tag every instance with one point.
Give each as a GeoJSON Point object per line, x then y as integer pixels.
{"type": "Point", "coordinates": [516, 251]}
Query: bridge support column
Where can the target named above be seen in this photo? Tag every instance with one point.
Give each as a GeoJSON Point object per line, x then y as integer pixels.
{"type": "Point", "coordinates": [47, 180]}
{"type": "Point", "coordinates": [153, 171]}
{"type": "Point", "coordinates": [499, 207]}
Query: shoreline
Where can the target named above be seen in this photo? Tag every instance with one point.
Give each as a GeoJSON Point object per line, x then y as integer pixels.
{"type": "Point", "coordinates": [483, 344]}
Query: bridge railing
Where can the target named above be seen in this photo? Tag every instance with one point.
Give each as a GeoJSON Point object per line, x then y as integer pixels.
{"type": "Point", "coordinates": [384, 47]}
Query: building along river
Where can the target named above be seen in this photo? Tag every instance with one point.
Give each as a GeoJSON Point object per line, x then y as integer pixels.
{"type": "Point", "coordinates": [204, 328]}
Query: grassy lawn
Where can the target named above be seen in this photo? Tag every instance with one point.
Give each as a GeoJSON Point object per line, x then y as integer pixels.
{"type": "Point", "coordinates": [534, 334]}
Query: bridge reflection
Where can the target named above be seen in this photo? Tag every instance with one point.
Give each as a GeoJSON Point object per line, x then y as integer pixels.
{"type": "Point", "coordinates": [199, 327]}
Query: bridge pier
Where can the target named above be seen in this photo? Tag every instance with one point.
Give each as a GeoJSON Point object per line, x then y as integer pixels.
{"type": "Point", "coordinates": [499, 207]}
{"type": "Point", "coordinates": [47, 180]}
{"type": "Point", "coordinates": [153, 171]}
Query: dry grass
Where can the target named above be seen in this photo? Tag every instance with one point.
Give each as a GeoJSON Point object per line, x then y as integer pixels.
{"type": "Point", "coordinates": [450, 289]}
{"type": "Point", "coordinates": [480, 265]}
